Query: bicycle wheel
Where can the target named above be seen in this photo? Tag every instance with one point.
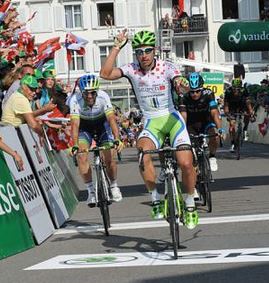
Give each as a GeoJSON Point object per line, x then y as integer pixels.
{"type": "Point", "coordinates": [103, 200]}
{"type": "Point", "coordinates": [173, 217]}
{"type": "Point", "coordinates": [238, 142]}
{"type": "Point", "coordinates": [204, 183]}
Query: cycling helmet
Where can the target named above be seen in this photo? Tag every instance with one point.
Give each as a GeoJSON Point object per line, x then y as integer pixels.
{"type": "Point", "coordinates": [196, 81]}
{"type": "Point", "coordinates": [144, 37]}
{"type": "Point", "coordinates": [88, 82]}
{"type": "Point", "coordinates": [237, 82]}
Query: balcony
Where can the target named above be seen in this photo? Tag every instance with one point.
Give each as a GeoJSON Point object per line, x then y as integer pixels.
{"type": "Point", "coordinates": [195, 25]}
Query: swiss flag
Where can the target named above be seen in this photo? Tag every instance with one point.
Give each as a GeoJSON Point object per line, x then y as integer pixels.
{"type": "Point", "coordinates": [74, 43]}
{"type": "Point", "coordinates": [46, 50]}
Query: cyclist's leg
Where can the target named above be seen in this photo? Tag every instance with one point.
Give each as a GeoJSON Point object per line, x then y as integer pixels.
{"type": "Point", "coordinates": [148, 140]}
{"type": "Point", "coordinates": [213, 145]}
{"type": "Point", "coordinates": [84, 166]}
{"type": "Point", "coordinates": [106, 137]}
{"type": "Point", "coordinates": [245, 128]}
{"type": "Point", "coordinates": [232, 125]}
{"type": "Point", "coordinates": [179, 137]}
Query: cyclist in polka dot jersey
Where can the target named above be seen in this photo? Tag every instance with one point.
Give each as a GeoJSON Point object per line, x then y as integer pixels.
{"type": "Point", "coordinates": [152, 81]}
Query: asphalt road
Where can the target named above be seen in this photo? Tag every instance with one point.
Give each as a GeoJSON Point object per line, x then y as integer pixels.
{"type": "Point", "coordinates": [231, 244]}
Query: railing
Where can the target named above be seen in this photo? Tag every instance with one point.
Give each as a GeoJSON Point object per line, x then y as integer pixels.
{"type": "Point", "coordinates": [194, 24]}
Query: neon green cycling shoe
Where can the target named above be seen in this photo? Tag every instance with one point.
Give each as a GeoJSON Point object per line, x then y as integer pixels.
{"type": "Point", "coordinates": [157, 211]}
{"type": "Point", "coordinates": [191, 218]}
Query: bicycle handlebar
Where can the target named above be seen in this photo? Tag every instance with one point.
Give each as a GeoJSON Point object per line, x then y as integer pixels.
{"type": "Point", "coordinates": [142, 152]}
{"type": "Point", "coordinates": [164, 149]}
{"type": "Point", "coordinates": [94, 149]}
{"type": "Point", "coordinates": [97, 148]}
{"type": "Point", "coordinates": [203, 136]}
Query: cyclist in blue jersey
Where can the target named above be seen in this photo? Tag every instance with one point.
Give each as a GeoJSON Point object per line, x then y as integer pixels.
{"type": "Point", "coordinates": [92, 115]}
{"type": "Point", "coordinates": [152, 80]}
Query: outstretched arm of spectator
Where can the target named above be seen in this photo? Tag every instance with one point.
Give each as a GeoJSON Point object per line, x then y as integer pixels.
{"type": "Point", "coordinates": [45, 109]}
{"type": "Point", "coordinates": [12, 152]}
{"type": "Point", "coordinates": [33, 123]}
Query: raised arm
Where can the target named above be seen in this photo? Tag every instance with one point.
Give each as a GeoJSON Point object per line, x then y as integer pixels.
{"type": "Point", "coordinates": [107, 71]}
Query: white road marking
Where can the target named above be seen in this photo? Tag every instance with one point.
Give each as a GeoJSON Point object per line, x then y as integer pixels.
{"type": "Point", "coordinates": [153, 259]}
{"type": "Point", "coordinates": [162, 223]}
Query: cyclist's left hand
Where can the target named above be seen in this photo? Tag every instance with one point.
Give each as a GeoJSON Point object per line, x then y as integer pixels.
{"type": "Point", "coordinates": [181, 85]}
{"type": "Point", "coordinates": [119, 145]}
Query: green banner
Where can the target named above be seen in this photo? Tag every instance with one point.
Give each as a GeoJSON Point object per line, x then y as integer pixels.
{"type": "Point", "coordinates": [214, 81]}
{"type": "Point", "coordinates": [244, 36]}
{"type": "Point", "coordinates": [15, 233]}
{"type": "Point", "coordinates": [49, 65]}
{"type": "Point", "coordinates": [69, 197]}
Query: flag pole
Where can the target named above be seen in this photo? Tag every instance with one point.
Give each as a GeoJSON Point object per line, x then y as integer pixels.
{"type": "Point", "coordinates": [68, 71]}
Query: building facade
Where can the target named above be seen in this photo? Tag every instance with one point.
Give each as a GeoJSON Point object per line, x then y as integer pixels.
{"type": "Point", "coordinates": [192, 35]}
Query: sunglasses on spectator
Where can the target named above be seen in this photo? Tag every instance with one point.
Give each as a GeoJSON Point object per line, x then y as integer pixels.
{"type": "Point", "coordinates": [33, 89]}
{"type": "Point", "coordinates": [141, 51]}
{"type": "Point", "coordinates": [195, 91]}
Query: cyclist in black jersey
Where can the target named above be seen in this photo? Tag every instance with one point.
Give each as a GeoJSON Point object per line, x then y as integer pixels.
{"type": "Point", "coordinates": [237, 100]}
{"type": "Point", "coordinates": [200, 111]}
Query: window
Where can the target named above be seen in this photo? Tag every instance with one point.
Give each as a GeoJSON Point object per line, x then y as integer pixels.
{"type": "Point", "coordinates": [265, 55]}
{"type": "Point", "coordinates": [105, 14]}
{"type": "Point", "coordinates": [73, 16]}
{"type": "Point", "coordinates": [264, 9]}
{"type": "Point", "coordinates": [183, 49]}
{"type": "Point", "coordinates": [232, 56]}
{"type": "Point", "coordinates": [104, 51]}
{"type": "Point", "coordinates": [230, 9]}
{"type": "Point", "coordinates": [77, 62]}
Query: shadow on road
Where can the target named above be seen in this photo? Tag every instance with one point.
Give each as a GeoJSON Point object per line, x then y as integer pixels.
{"type": "Point", "coordinates": [244, 274]}
{"type": "Point", "coordinates": [248, 151]}
{"type": "Point", "coordinates": [239, 183]}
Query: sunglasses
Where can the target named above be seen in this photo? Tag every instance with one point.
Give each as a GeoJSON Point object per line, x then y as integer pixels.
{"type": "Point", "coordinates": [140, 51]}
{"type": "Point", "coordinates": [33, 89]}
{"type": "Point", "coordinates": [195, 91]}
{"type": "Point", "coordinates": [89, 92]}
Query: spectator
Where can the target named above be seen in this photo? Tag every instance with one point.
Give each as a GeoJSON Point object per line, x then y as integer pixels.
{"type": "Point", "coordinates": [175, 13]}
{"type": "Point", "coordinates": [48, 89]}
{"type": "Point", "coordinates": [17, 110]}
{"type": "Point", "coordinates": [21, 72]}
{"type": "Point", "coordinates": [166, 22]}
{"type": "Point", "coordinates": [109, 20]}
{"type": "Point", "coordinates": [13, 153]}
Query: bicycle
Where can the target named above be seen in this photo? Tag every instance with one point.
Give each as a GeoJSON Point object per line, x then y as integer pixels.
{"type": "Point", "coordinates": [239, 135]}
{"type": "Point", "coordinates": [204, 174]}
{"type": "Point", "coordinates": [102, 183]}
{"type": "Point", "coordinates": [174, 206]}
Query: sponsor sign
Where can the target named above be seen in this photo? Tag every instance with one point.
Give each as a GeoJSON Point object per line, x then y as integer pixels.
{"type": "Point", "coordinates": [244, 36]}
{"type": "Point", "coordinates": [49, 65]}
{"type": "Point", "coordinates": [45, 176]}
{"type": "Point", "coordinates": [28, 189]}
{"type": "Point", "coordinates": [67, 192]}
{"type": "Point", "coordinates": [214, 81]}
{"type": "Point", "coordinates": [15, 233]}
{"type": "Point", "coordinates": [154, 259]}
